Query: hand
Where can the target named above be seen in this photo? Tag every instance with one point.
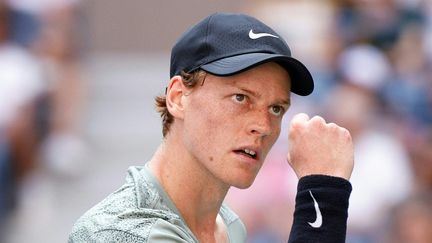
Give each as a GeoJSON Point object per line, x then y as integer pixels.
{"type": "Point", "coordinates": [317, 147]}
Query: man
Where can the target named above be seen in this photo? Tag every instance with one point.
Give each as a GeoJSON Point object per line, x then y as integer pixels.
{"type": "Point", "coordinates": [231, 78]}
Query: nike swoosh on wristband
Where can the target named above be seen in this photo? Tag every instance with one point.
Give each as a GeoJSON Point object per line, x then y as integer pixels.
{"type": "Point", "coordinates": [318, 221]}
{"type": "Point", "coordinates": [254, 36]}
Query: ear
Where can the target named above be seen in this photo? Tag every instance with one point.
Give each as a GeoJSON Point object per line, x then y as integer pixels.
{"type": "Point", "coordinates": [174, 97]}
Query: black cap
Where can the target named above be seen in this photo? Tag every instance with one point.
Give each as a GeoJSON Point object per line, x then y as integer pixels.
{"type": "Point", "coordinates": [224, 44]}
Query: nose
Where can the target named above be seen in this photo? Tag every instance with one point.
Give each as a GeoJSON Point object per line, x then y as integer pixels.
{"type": "Point", "coordinates": [260, 124]}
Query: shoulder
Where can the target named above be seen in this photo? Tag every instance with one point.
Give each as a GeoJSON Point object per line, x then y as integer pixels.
{"type": "Point", "coordinates": [105, 235]}
{"type": "Point", "coordinates": [100, 226]}
{"type": "Point", "coordinates": [133, 213]}
{"type": "Point", "coordinates": [150, 230]}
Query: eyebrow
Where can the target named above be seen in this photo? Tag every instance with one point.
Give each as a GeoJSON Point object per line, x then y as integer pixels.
{"type": "Point", "coordinates": [255, 94]}
{"type": "Point", "coordinates": [284, 102]}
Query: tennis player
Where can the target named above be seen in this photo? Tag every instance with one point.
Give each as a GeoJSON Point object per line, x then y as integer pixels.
{"type": "Point", "coordinates": [230, 84]}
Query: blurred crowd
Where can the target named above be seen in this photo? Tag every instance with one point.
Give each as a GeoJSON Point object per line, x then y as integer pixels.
{"type": "Point", "coordinates": [372, 65]}
{"type": "Point", "coordinates": [41, 93]}
{"type": "Point", "coordinates": [382, 92]}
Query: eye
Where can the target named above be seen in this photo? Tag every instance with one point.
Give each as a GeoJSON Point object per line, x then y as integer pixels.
{"type": "Point", "coordinates": [277, 110]}
{"type": "Point", "coordinates": [239, 98]}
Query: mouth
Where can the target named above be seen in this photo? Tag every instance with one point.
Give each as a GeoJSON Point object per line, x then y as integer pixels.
{"type": "Point", "coordinates": [253, 154]}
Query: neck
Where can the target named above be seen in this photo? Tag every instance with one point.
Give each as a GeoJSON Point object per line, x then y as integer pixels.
{"type": "Point", "coordinates": [195, 192]}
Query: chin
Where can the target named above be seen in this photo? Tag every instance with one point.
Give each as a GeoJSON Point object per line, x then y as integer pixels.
{"type": "Point", "coordinates": [243, 184]}
{"type": "Point", "coordinates": [243, 178]}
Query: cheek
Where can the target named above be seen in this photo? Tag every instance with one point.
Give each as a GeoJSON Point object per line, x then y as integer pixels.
{"type": "Point", "coordinates": [206, 131]}
{"type": "Point", "coordinates": [277, 129]}
{"type": "Point", "coordinates": [215, 115]}
{"type": "Point", "coordinates": [270, 140]}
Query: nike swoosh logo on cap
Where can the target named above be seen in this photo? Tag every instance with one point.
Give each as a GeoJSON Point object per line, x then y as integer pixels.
{"type": "Point", "coordinates": [254, 36]}
{"type": "Point", "coordinates": [318, 221]}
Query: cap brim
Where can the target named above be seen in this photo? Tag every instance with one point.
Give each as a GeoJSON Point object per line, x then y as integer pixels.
{"type": "Point", "coordinates": [301, 79]}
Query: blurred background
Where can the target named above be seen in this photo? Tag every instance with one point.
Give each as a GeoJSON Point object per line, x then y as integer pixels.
{"type": "Point", "coordinates": [78, 80]}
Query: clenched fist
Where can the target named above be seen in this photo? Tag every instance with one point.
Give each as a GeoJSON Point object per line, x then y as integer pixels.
{"type": "Point", "coordinates": [317, 147]}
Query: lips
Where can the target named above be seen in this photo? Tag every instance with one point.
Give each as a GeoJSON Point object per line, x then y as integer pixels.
{"type": "Point", "coordinates": [248, 151]}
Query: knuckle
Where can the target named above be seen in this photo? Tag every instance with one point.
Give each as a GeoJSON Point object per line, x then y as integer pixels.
{"type": "Point", "coordinates": [318, 121]}
{"type": "Point", "coordinates": [333, 126]}
{"type": "Point", "coordinates": [346, 133]}
{"type": "Point", "coordinates": [296, 125]}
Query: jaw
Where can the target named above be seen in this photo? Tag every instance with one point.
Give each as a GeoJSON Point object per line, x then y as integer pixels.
{"type": "Point", "coordinates": [245, 183]}
{"type": "Point", "coordinates": [245, 171]}
{"type": "Point", "coordinates": [243, 175]}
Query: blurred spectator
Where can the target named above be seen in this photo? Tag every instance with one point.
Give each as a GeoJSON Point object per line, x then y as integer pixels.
{"type": "Point", "coordinates": [378, 22]}
{"type": "Point", "coordinates": [23, 27]}
{"type": "Point", "coordinates": [60, 48]}
{"type": "Point", "coordinates": [408, 95]}
{"type": "Point", "coordinates": [421, 157]}
{"type": "Point", "coordinates": [411, 220]}
{"type": "Point", "coordinates": [382, 176]}
{"type": "Point", "coordinates": [41, 92]}
{"type": "Point", "coordinates": [20, 85]}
